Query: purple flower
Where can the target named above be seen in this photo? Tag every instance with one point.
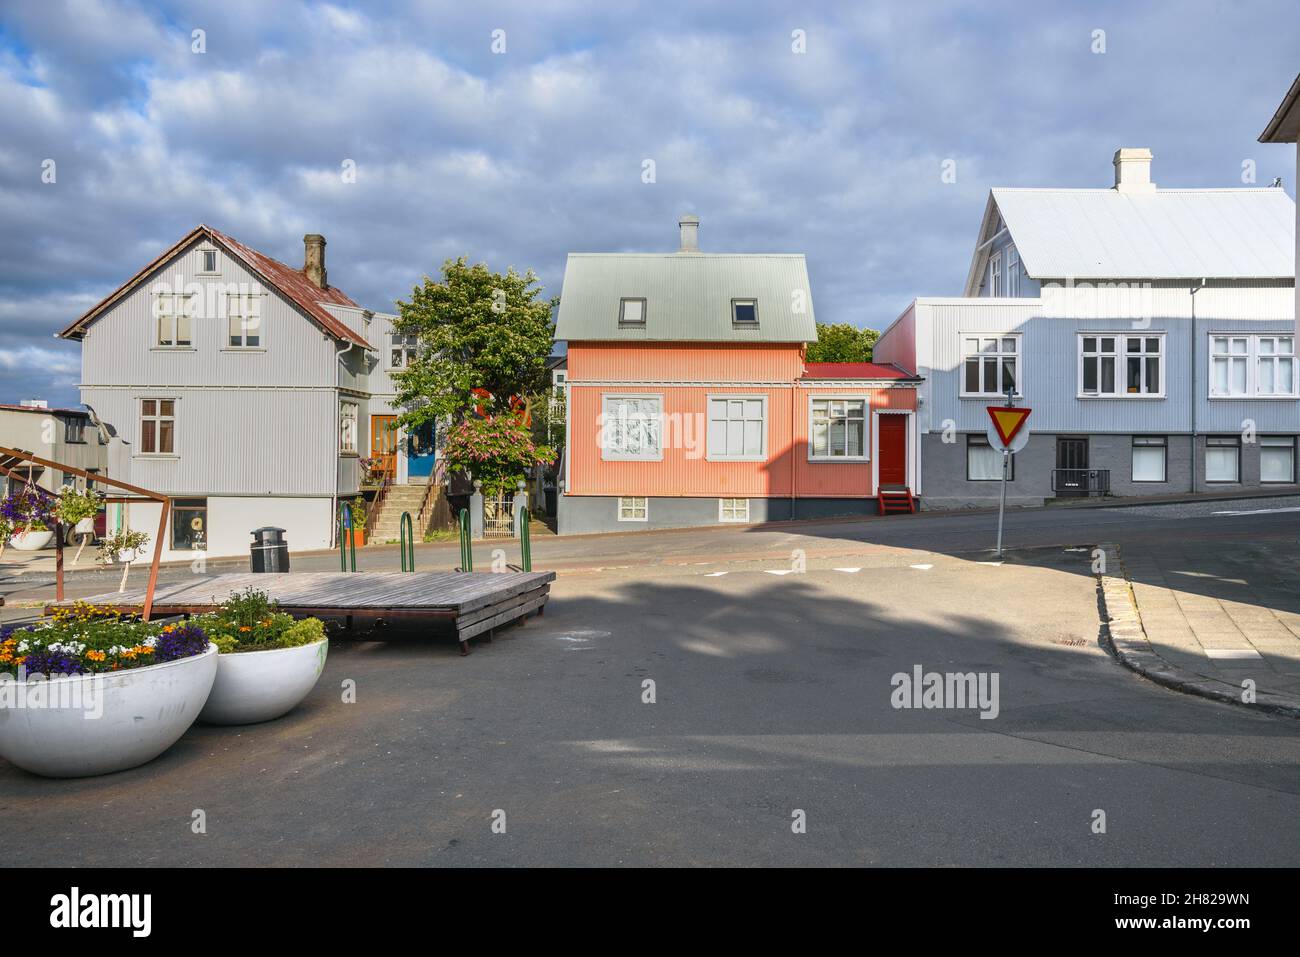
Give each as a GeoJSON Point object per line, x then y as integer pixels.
{"type": "Point", "coordinates": [183, 642]}
{"type": "Point", "coordinates": [53, 663]}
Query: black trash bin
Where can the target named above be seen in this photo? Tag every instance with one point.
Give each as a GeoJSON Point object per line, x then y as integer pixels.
{"type": "Point", "coordinates": [270, 552]}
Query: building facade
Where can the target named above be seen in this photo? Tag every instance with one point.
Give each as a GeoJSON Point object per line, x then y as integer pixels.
{"type": "Point", "coordinates": [59, 435]}
{"type": "Point", "coordinates": [1152, 332]}
{"type": "Point", "coordinates": [246, 389]}
{"type": "Point", "coordinates": [689, 401]}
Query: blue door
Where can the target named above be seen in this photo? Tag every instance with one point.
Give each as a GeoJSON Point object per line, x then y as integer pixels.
{"type": "Point", "coordinates": [420, 453]}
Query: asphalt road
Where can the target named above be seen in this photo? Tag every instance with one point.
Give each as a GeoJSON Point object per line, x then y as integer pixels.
{"type": "Point", "coordinates": [772, 696]}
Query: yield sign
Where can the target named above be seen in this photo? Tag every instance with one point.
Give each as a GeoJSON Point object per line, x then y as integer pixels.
{"type": "Point", "coordinates": [1008, 421]}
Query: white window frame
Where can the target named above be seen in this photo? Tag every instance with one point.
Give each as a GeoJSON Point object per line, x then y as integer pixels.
{"type": "Point", "coordinates": [167, 310]}
{"type": "Point", "coordinates": [408, 349]}
{"type": "Point", "coordinates": [995, 274]}
{"type": "Point", "coordinates": [709, 454]}
{"type": "Point", "coordinates": [204, 253]}
{"type": "Point", "coordinates": [158, 419]}
{"type": "Point", "coordinates": [1253, 358]}
{"type": "Point", "coordinates": [644, 508]}
{"type": "Point", "coordinates": [609, 455]}
{"type": "Point", "coordinates": [242, 307]}
{"type": "Point", "coordinates": [1234, 444]}
{"type": "Point", "coordinates": [813, 399]}
{"type": "Point", "coordinates": [736, 516]}
{"type": "Point", "coordinates": [1121, 356]}
{"type": "Point", "coordinates": [978, 441]}
{"type": "Point", "coordinates": [1216, 356]}
{"type": "Point", "coordinates": [999, 354]}
{"type": "Point", "coordinates": [1263, 444]}
{"type": "Point", "coordinates": [1147, 442]}
{"type": "Point", "coordinates": [348, 441]}
{"type": "Point", "coordinates": [622, 311]}
{"type": "Point", "coordinates": [1014, 271]}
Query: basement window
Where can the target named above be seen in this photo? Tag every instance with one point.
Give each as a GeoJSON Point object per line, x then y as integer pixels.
{"type": "Point", "coordinates": [633, 509]}
{"type": "Point", "coordinates": [733, 510]}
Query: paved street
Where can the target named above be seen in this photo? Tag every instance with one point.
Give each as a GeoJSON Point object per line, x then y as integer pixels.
{"type": "Point", "coordinates": [772, 694]}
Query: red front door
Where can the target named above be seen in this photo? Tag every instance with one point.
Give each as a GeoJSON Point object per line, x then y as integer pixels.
{"type": "Point", "coordinates": [892, 453]}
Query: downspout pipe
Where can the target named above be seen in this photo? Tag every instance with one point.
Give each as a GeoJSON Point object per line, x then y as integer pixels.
{"type": "Point", "coordinates": [1192, 378]}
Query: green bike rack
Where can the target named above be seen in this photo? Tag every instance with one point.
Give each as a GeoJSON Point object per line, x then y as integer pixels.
{"type": "Point", "coordinates": [347, 540]}
{"type": "Point", "coordinates": [408, 543]}
{"type": "Point", "coordinates": [466, 547]}
{"type": "Point", "coordinates": [525, 544]}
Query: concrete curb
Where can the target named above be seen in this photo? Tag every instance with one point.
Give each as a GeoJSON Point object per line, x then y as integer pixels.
{"type": "Point", "coordinates": [1126, 639]}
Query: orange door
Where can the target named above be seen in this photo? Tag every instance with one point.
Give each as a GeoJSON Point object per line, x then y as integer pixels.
{"type": "Point", "coordinates": [383, 443]}
{"type": "Point", "coordinates": [893, 450]}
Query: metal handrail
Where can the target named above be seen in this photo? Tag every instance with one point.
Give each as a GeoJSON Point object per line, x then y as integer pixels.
{"type": "Point", "coordinates": [407, 543]}
{"type": "Point", "coordinates": [466, 545]}
{"type": "Point", "coordinates": [347, 538]}
{"type": "Point", "coordinates": [1088, 481]}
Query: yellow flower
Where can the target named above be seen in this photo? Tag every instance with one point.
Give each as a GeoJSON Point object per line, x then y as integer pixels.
{"type": "Point", "coordinates": [96, 655]}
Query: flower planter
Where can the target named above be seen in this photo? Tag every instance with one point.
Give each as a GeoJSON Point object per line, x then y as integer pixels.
{"type": "Point", "coordinates": [32, 540]}
{"type": "Point", "coordinates": [255, 686]}
{"type": "Point", "coordinates": [141, 713]}
{"type": "Point", "coordinates": [359, 534]}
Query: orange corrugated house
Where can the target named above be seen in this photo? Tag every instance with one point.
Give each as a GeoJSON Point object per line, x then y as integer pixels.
{"type": "Point", "coordinates": [690, 401]}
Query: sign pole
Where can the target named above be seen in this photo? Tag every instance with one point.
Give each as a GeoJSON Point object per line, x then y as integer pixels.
{"type": "Point", "coordinates": [1002, 501]}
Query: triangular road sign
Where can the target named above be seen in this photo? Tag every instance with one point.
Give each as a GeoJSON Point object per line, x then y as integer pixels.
{"type": "Point", "coordinates": [1008, 421]}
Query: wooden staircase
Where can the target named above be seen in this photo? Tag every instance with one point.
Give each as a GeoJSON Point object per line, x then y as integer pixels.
{"type": "Point", "coordinates": [893, 501]}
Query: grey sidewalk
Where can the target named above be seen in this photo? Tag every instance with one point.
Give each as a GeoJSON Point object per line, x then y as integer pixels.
{"type": "Point", "coordinates": [1213, 618]}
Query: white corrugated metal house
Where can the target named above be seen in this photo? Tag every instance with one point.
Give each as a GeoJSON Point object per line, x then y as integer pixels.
{"type": "Point", "coordinates": [1152, 332]}
{"type": "Point", "coordinates": [1284, 127]}
{"type": "Point", "coordinates": [247, 389]}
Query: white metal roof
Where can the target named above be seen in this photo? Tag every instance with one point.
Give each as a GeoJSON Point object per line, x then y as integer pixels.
{"type": "Point", "coordinates": [688, 296]}
{"type": "Point", "coordinates": [1162, 234]}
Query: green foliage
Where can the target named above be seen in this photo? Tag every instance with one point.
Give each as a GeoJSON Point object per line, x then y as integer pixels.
{"type": "Point", "coordinates": [842, 342]}
{"type": "Point", "coordinates": [124, 541]}
{"type": "Point", "coordinates": [497, 451]}
{"type": "Point", "coordinates": [477, 329]}
{"type": "Point", "coordinates": [250, 621]}
{"type": "Point", "coordinates": [77, 504]}
{"type": "Point", "coordinates": [358, 506]}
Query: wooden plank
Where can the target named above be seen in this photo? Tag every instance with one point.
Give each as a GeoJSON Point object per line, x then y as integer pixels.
{"type": "Point", "coordinates": [487, 624]}
{"type": "Point", "coordinates": [491, 610]}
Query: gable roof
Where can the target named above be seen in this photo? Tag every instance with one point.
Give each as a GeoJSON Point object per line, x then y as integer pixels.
{"type": "Point", "coordinates": [688, 297]}
{"type": "Point", "coordinates": [292, 283]}
{"type": "Point", "coordinates": [1161, 234]}
{"type": "Point", "coordinates": [1284, 127]}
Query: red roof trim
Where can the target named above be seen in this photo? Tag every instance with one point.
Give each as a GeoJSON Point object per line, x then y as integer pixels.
{"type": "Point", "coordinates": [292, 283]}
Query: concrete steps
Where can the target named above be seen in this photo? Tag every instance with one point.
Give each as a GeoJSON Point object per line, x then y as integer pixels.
{"type": "Point", "coordinates": [400, 498]}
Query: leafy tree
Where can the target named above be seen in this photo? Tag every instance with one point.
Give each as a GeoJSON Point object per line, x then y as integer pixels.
{"type": "Point", "coordinates": [842, 342]}
{"type": "Point", "coordinates": [477, 329]}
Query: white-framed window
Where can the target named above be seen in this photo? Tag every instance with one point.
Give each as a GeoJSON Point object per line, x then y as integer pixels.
{"type": "Point", "coordinates": [1252, 365]}
{"type": "Point", "coordinates": [243, 321]}
{"type": "Point", "coordinates": [631, 312]}
{"type": "Point", "coordinates": [631, 428]}
{"type": "Point", "coordinates": [744, 312]}
{"type": "Point", "coordinates": [733, 510]}
{"type": "Point", "coordinates": [633, 508]}
{"type": "Point", "coordinates": [174, 312]}
{"type": "Point", "coordinates": [208, 258]}
{"type": "Point", "coordinates": [1222, 458]}
{"type": "Point", "coordinates": [402, 350]}
{"type": "Point", "coordinates": [1150, 458]}
{"type": "Point", "coordinates": [1277, 458]}
{"type": "Point", "coordinates": [984, 463]}
{"type": "Point", "coordinates": [838, 429]}
{"type": "Point", "coordinates": [995, 274]}
{"type": "Point", "coordinates": [990, 365]}
{"type": "Point", "coordinates": [737, 428]}
{"type": "Point", "coordinates": [1013, 271]}
{"type": "Point", "coordinates": [1116, 366]}
{"type": "Point", "coordinates": [348, 427]}
{"type": "Point", "coordinates": [157, 426]}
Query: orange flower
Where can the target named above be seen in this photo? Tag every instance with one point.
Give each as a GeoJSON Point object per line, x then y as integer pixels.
{"type": "Point", "coordinates": [244, 628]}
{"type": "Point", "coordinates": [96, 655]}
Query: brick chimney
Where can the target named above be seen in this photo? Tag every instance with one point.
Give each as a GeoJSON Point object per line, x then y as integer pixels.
{"type": "Point", "coordinates": [313, 260]}
{"type": "Point", "coordinates": [690, 230]}
{"type": "Point", "coordinates": [1133, 170]}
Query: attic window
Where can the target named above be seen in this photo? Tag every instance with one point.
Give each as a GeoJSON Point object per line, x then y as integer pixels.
{"type": "Point", "coordinates": [209, 260]}
{"type": "Point", "coordinates": [744, 312]}
{"type": "Point", "coordinates": [631, 312]}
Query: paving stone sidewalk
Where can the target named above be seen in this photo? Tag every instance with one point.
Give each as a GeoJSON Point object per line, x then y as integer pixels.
{"type": "Point", "coordinates": [1212, 617]}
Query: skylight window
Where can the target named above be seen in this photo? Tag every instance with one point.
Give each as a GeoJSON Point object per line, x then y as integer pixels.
{"type": "Point", "coordinates": [631, 312]}
{"type": "Point", "coordinates": [744, 312]}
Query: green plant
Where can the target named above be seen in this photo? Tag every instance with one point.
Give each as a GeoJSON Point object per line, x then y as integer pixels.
{"type": "Point", "coordinates": [498, 451]}
{"type": "Point", "coordinates": [358, 507]}
{"type": "Point", "coordinates": [86, 639]}
{"type": "Point", "coordinates": [841, 342]}
{"type": "Point", "coordinates": [75, 505]}
{"type": "Point", "coordinates": [124, 541]}
{"type": "Point", "coordinates": [250, 621]}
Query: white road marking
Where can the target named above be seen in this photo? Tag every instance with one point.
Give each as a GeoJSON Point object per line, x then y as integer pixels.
{"type": "Point", "coordinates": [778, 571]}
{"type": "Point", "coordinates": [1233, 653]}
{"type": "Point", "coordinates": [849, 571]}
{"type": "Point", "coordinates": [922, 568]}
{"type": "Point", "coordinates": [1259, 511]}
{"type": "Point", "coordinates": [988, 563]}
{"type": "Point", "coordinates": [714, 574]}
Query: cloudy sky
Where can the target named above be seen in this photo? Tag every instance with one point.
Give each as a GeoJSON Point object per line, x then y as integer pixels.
{"type": "Point", "coordinates": [519, 157]}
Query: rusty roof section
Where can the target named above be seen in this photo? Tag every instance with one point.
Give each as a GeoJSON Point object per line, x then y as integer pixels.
{"type": "Point", "coordinates": [292, 283]}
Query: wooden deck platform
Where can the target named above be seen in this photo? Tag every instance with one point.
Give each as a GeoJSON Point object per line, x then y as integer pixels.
{"type": "Point", "coordinates": [473, 602]}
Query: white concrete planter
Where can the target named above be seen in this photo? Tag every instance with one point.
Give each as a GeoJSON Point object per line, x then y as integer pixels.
{"type": "Point", "coordinates": [255, 686]}
{"type": "Point", "coordinates": [118, 720]}
{"type": "Point", "coordinates": [31, 541]}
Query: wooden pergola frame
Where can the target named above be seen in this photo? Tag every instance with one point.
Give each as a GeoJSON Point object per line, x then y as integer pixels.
{"type": "Point", "coordinates": [10, 458]}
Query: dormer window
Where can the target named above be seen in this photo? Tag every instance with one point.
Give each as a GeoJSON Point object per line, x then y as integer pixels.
{"type": "Point", "coordinates": [744, 312]}
{"type": "Point", "coordinates": [631, 312]}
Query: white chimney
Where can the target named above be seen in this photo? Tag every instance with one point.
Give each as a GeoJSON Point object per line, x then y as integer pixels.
{"type": "Point", "coordinates": [1133, 170]}
{"type": "Point", "coordinates": [690, 230]}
